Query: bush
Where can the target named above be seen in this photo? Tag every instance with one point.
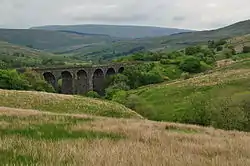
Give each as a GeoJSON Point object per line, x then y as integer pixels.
{"type": "Point", "coordinates": [246, 49]}
{"type": "Point", "coordinates": [185, 75]}
{"type": "Point", "coordinates": [142, 75]}
{"type": "Point", "coordinates": [136, 103]}
{"type": "Point", "coordinates": [11, 79]}
{"type": "Point", "coordinates": [219, 48]}
{"type": "Point", "coordinates": [93, 94]}
{"type": "Point", "coordinates": [193, 50]}
{"type": "Point", "coordinates": [227, 117]}
{"type": "Point", "coordinates": [168, 61]}
{"type": "Point", "coordinates": [37, 82]}
{"type": "Point", "coordinates": [29, 80]}
{"type": "Point", "coordinates": [3, 65]}
{"type": "Point", "coordinates": [120, 97]}
{"type": "Point", "coordinates": [191, 64]}
{"type": "Point", "coordinates": [205, 67]}
{"type": "Point", "coordinates": [165, 61]}
{"type": "Point", "coordinates": [199, 112]}
{"type": "Point", "coordinates": [222, 114]}
{"type": "Point", "coordinates": [111, 91]}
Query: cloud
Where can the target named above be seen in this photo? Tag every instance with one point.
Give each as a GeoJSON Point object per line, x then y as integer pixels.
{"type": "Point", "coordinates": [192, 14]}
{"type": "Point", "coordinates": [179, 18]}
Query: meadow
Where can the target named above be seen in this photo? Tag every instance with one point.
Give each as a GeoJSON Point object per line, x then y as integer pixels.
{"type": "Point", "coordinates": [225, 88]}
{"type": "Point", "coordinates": [57, 103]}
{"type": "Point", "coordinates": [30, 137]}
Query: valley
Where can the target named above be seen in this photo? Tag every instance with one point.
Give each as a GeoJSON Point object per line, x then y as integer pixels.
{"type": "Point", "coordinates": [184, 101]}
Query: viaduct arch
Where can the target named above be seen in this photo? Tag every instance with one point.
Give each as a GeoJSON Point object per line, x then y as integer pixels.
{"type": "Point", "coordinates": [80, 80]}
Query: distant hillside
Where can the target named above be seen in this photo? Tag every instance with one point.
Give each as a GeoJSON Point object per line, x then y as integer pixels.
{"type": "Point", "coordinates": [8, 49]}
{"type": "Point", "coordinates": [116, 30]}
{"type": "Point", "coordinates": [96, 47]}
{"type": "Point", "coordinates": [190, 38]}
{"type": "Point", "coordinates": [15, 56]}
{"type": "Point", "coordinates": [50, 40]}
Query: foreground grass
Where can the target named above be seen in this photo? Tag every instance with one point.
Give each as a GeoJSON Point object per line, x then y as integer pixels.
{"type": "Point", "coordinates": [63, 104]}
{"type": "Point", "coordinates": [173, 101]}
{"type": "Point", "coordinates": [34, 137]}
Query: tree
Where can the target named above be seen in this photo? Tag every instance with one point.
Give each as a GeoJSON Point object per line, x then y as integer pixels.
{"type": "Point", "coordinates": [246, 49]}
{"type": "Point", "coordinates": [193, 50]}
{"type": "Point", "coordinates": [10, 79]}
{"type": "Point", "coordinates": [191, 64]}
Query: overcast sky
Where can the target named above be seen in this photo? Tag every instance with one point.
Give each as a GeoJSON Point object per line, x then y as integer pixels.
{"type": "Point", "coordinates": [191, 14]}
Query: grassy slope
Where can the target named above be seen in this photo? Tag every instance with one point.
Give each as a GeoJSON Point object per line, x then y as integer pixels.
{"type": "Point", "coordinates": [239, 42]}
{"type": "Point", "coordinates": [25, 56]}
{"type": "Point", "coordinates": [63, 104]}
{"type": "Point", "coordinates": [98, 46]}
{"type": "Point", "coordinates": [121, 31]}
{"type": "Point", "coordinates": [50, 40]}
{"type": "Point", "coordinates": [33, 137]}
{"type": "Point", "coordinates": [171, 100]}
{"type": "Point", "coordinates": [8, 48]}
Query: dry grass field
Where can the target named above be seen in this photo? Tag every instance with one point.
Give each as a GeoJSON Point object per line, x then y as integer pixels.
{"type": "Point", "coordinates": [29, 137]}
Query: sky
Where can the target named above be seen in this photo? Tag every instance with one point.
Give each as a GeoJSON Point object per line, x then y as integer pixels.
{"type": "Point", "coordinates": [188, 14]}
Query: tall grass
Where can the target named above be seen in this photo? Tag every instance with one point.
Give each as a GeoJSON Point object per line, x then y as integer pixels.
{"type": "Point", "coordinates": [63, 104]}
{"type": "Point", "coordinates": [137, 142]}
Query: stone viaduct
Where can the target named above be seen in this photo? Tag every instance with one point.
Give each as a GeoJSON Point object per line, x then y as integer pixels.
{"type": "Point", "coordinates": [80, 80]}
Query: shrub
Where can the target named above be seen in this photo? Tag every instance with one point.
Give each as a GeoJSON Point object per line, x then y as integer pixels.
{"type": "Point", "coordinates": [191, 64]}
{"type": "Point", "coordinates": [165, 61]}
{"type": "Point", "coordinates": [120, 97]}
{"type": "Point", "coordinates": [140, 106]}
{"type": "Point", "coordinates": [11, 79]}
{"type": "Point", "coordinates": [185, 75]}
{"type": "Point", "coordinates": [205, 67]}
{"type": "Point", "coordinates": [219, 48]}
{"type": "Point", "coordinates": [227, 117]}
{"type": "Point", "coordinates": [3, 65]}
{"type": "Point", "coordinates": [110, 91]}
{"type": "Point", "coordinates": [199, 112]}
{"type": "Point", "coordinates": [93, 94]}
{"type": "Point", "coordinates": [193, 50]}
{"type": "Point", "coordinates": [37, 82]}
{"type": "Point", "coordinates": [246, 49]}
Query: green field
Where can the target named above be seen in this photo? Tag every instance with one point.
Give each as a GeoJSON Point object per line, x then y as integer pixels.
{"type": "Point", "coordinates": [185, 100]}
{"type": "Point", "coordinates": [63, 104]}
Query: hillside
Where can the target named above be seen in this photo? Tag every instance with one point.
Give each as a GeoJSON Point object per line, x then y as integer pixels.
{"type": "Point", "coordinates": [50, 40]}
{"type": "Point", "coordinates": [62, 104]}
{"type": "Point", "coordinates": [15, 56]}
{"type": "Point", "coordinates": [30, 137]}
{"type": "Point", "coordinates": [198, 99]}
{"type": "Point", "coordinates": [239, 42]}
{"type": "Point", "coordinates": [199, 37]}
{"type": "Point", "coordinates": [8, 48]}
{"type": "Point", "coordinates": [120, 31]}
{"type": "Point", "coordinates": [96, 47]}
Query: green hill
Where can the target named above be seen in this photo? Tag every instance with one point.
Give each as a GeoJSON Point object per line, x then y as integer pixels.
{"type": "Point", "coordinates": [50, 40]}
{"type": "Point", "coordinates": [120, 31]}
{"type": "Point", "coordinates": [63, 104]}
{"type": "Point", "coordinates": [103, 47]}
{"type": "Point", "coordinates": [197, 99]}
{"type": "Point", "coordinates": [15, 56]}
{"type": "Point", "coordinates": [200, 37]}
